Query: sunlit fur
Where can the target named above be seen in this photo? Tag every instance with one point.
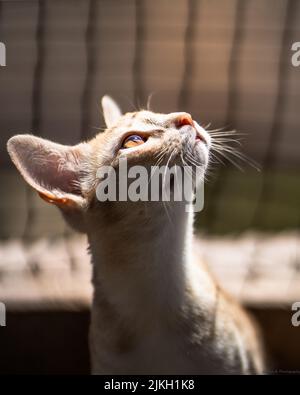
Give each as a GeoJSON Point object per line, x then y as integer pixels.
{"type": "Point", "coordinates": [156, 309]}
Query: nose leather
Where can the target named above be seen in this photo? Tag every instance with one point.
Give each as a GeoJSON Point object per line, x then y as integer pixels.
{"type": "Point", "coordinates": [184, 119]}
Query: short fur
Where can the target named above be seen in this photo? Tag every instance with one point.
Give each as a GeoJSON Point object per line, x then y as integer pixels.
{"type": "Point", "coordinates": [156, 309]}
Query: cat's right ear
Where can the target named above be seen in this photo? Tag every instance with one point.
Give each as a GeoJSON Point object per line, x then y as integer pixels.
{"type": "Point", "coordinates": [111, 111]}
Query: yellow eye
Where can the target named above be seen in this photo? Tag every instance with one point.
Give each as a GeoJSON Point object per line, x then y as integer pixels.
{"type": "Point", "coordinates": [132, 141]}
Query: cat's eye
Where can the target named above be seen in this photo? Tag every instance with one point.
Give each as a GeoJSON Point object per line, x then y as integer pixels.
{"type": "Point", "coordinates": [133, 140]}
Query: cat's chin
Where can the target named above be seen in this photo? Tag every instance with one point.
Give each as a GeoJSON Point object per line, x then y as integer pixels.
{"type": "Point", "coordinates": [196, 155]}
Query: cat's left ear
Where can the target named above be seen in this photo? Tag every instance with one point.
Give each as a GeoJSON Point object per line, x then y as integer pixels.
{"type": "Point", "coordinates": [55, 171]}
{"type": "Point", "coordinates": [111, 111]}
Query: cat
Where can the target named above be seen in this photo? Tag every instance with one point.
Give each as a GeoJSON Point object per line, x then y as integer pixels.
{"type": "Point", "coordinates": [155, 309]}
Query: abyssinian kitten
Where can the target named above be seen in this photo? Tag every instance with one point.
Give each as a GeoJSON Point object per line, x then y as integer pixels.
{"type": "Point", "coordinates": [155, 309]}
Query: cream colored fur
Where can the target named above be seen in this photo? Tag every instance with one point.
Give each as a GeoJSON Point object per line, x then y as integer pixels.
{"type": "Point", "coordinates": [156, 309]}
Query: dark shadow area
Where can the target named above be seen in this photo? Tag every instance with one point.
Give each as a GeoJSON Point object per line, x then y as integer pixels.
{"type": "Point", "coordinates": [57, 342]}
{"type": "Point", "coordinates": [45, 343]}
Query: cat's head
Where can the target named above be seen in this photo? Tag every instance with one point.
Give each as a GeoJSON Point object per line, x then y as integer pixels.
{"type": "Point", "coordinates": [67, 176]}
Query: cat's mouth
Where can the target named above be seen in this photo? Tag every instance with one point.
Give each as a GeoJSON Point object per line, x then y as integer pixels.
{"type": "Point", "coordinates": [196, 144]}
{"type": "Point", "coordinates": [201, 135]}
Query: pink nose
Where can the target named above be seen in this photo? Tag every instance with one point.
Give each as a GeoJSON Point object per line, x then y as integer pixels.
{"type": "Point", "coordinates": [183, 120]}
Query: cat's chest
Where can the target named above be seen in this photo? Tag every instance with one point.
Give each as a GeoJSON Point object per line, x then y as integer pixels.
{"type": "Point", "coordinates": [159, 353]}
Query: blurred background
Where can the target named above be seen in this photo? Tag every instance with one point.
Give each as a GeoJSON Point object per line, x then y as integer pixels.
{"type": "Point", "coordinates": [228, 63]}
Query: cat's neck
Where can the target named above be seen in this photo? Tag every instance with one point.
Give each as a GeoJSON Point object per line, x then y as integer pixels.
{"type": "Point", "coordinates": [141, 262]}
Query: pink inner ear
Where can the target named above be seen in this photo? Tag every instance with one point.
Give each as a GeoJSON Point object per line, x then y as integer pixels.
{"type": "Point", "coordinates": [60, 172]}
{"type": "Point", "coordinates": [47, 166]}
